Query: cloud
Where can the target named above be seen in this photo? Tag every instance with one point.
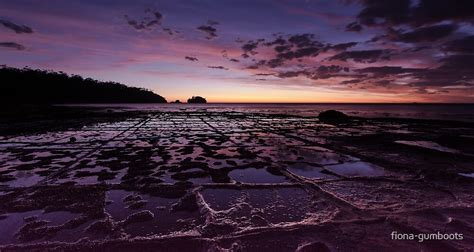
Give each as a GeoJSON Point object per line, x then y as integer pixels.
{"type": "Point", "coordinates": [153, 20]}
{"type": "Point", "coordinates": [430, 33]}
{"type": "Point", "coordinates": [305, 56]}
{"type": "Point", "coordinates": [259, 63]}
{"type": "Point", "coordinates": [218, 67]}
{"type": "Point", "coordinates": [383, 12]}
{"type": "Point", "coordinates": [250, 46]}
{"type": "Point", "coordinates": [295, 46]}
{"type": "Point", "coordinates": [224, 54]}
{"type": "Point", "coordinates": [15, 27]}
{"type": "Point", "coordinates": [277, 41]}
{"type": "Point", "coordinates": [343, 46]}
{"type": "Point", "coordinates": [321, 72]}
{"type": "Point", "coordinates": [135, 24]}
{"type": "Point", "coordinates": [454, 70]}
{"type": "Point", "coordinates": [353, 81]}
{"type": "Point", "coordinates": [433, 11]}
{"type": "Point", "coordinates": [291, 74]}
{"type": "Point", "coordinates": [190, 58]}
{"type": "Point", "coordinates": [326, 72]}
{"type": "Point", "coordinates": [423, 26]}
{"type": "Point", "coordinates": [282, 48]}
{"type": "Point", "coordinates": [304, 40]}
{"type": "Point", "coordinates": [299, 53]}
{"type": "Point", "coordinates": [425, 91]}
{"type": "Point", "coordinates": [464, 45]}
{"type": "Point", "coordinates": [388, 70]}
{"type": "Point", "coordinates": [209, 30]}
{"type": "Point", "coordinates": [460, 63]}
{"type": "Point", "coordinates": [418, 48]}
{"type": "Point", "coordinates": [264, 74]}
{"type": "Point", "coordinates": [157, 14]}
{"type": "Point", "coordinates": [365, 56]}
{"type": "Point", "coordinates": [13, 45]}
{"type": "Point", "coordinates": [354, 27]}
{"type": "Point", "coordinates": [405, 56]}
{"type": "Point", "coordinates": [286, 48]}
{"type": "Point", "coordinates": [414, 13]}
{"type": "Point", "coordinates": [169, 31]}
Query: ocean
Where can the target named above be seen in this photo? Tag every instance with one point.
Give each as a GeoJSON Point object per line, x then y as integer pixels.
{"type": "Point", "coordinates": [455, 112]}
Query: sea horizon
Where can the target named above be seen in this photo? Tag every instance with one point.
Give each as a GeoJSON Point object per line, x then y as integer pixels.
{"type": "Point", "coordinates": [295, 103]}
{"type": "Point", "coordinates": [434, 111]}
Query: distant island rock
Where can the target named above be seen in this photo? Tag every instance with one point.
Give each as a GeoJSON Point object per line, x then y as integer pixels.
{"type": "Point", "coordinates": [33, 86]}
{"type": "Point", "coordinates": [197, 99]}
{"type": "Point", "coordinates": [177, 101]}
{"type": "Point", "coordinates": [333, 117]}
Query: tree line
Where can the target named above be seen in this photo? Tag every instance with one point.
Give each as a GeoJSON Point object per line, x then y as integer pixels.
{"type": "Point", "coordinates": [49, 87]}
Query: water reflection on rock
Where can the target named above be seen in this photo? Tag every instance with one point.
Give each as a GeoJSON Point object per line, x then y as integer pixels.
{"type": "Point", "coordinates": [221, 180]}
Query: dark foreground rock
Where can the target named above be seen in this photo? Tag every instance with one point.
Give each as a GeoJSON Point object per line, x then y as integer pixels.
{"type": "Point", "coordinates": [32, 118]}
{"type": "Point", "coordinates": [236, 181]}
{"type": "Point", "coordinates": [333, 117]}
{"type": "Point", "coordinates": [141, 216]}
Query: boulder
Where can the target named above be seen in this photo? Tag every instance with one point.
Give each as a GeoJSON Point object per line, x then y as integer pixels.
{"type": "Point", "coordinates": [333, 117]}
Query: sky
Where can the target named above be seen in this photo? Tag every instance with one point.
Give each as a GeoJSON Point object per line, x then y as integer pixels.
{"type": "Point", "coordinates": [253, 50]}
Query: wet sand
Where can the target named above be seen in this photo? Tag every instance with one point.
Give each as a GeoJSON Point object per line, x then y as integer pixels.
{"type": "Point", "coordinates": [211, 181]}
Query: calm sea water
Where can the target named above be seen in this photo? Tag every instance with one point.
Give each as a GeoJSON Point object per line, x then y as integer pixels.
{"type": "Point", "coordinates": [458, 112]}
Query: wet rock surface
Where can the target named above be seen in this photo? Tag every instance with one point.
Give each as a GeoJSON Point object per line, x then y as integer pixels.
{"type": "Point", "coordinates": [217, 181]}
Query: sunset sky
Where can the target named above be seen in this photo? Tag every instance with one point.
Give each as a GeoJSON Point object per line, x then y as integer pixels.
{"type": "Point", "coordinates": [253, 51]}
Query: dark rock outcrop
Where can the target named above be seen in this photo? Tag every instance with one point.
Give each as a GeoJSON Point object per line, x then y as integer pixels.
{"type": "Point", "coordinates": [197, 99]}
{"type": "Point", "coordinates": [333, 117]}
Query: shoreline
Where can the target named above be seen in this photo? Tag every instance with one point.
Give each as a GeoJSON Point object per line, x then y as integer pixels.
{"type": "Point", "coordinates": [33, 118]}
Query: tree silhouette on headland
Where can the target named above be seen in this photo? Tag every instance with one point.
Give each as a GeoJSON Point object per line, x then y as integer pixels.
{"type": "Point", "coordinates": [197, 99]}
{"type": "Point", "coordinates": [48, 87]}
